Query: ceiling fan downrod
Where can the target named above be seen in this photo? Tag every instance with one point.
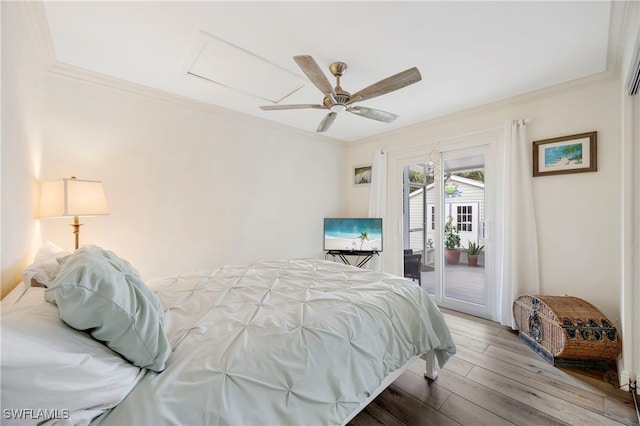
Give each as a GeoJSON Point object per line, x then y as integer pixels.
{"type": "Point", "coordinates": [338, 102]}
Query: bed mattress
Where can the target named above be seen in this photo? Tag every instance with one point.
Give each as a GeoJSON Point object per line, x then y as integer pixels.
{"type": "Point", "coordinates": [300, 341]}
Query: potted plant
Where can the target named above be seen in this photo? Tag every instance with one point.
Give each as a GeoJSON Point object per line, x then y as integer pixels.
{"type": "Point", "coordinates": [451, 242]}
{"type": "Point", "coordinates": [473, 251]}
{"type": "Point", "coordinates": [429, 253]}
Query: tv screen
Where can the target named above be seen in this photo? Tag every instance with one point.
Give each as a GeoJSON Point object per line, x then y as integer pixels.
{"type": "Point", "coordinates": [353, 234]}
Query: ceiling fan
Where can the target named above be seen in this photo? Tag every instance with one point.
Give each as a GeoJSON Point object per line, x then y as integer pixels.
{"type": "Point", "coordinates": [339, 100]}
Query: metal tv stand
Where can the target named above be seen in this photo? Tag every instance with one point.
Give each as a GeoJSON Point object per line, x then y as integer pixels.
{"type": "Point", "coordinates": [342, 254]}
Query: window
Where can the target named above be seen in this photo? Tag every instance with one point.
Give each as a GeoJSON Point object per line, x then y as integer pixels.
{"type": "Point", "coordinates": [464, 218]}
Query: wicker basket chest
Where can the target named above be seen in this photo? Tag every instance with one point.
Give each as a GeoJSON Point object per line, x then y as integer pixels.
{"type": "Point", "coordinates": [567, 331]}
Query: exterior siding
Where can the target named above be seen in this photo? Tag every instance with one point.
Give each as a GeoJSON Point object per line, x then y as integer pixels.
{"type": "Point", "coordinates": [469, 191]}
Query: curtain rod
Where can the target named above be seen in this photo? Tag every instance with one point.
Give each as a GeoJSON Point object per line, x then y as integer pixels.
{"type": "Point", "coordinates": [382, 150]}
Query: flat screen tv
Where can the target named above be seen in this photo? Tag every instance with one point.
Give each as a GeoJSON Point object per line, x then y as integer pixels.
{"type": "Point", "coordinates": [353, 234]}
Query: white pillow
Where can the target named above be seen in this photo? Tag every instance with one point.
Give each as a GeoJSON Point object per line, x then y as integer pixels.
{"type": "Point", "coordinates": [45, 266]}
{"type": "Point", "coordinates": [101, 293]}
{"type": "Point", "coordinates": [52, 370]}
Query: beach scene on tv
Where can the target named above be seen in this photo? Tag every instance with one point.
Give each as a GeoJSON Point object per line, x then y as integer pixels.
{"type": "Point", "coordinates": [360, 234]}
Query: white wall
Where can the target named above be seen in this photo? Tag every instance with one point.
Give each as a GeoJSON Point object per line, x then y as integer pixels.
{"type": "Point", "coordinates": [629, 365]}
{"type": "Point", "coordinates": [22, 108]}
{"type": "Point", "coordinates": [188, 186]}
{"type": "Point", "coordinates": [578, 215]}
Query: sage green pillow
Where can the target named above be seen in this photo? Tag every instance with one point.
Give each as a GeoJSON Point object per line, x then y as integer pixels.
{"type": "Point", "coordinates": [98, 292]}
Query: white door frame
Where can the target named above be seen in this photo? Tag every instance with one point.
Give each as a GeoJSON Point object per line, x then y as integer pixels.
{"type": "Point", "coordinates": [485, 310]}
{"type": "Point", "coordinates": [397, 159]}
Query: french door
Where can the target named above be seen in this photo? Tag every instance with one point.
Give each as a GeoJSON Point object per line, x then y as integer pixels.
{"type": "Point", "coordinates": [451, 187]}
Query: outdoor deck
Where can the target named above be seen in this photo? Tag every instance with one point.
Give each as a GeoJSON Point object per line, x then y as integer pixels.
{"type": "Point", "coordinates": [462, 282]}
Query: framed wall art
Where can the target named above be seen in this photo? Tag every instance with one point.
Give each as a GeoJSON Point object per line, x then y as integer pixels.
{"type": "Point", "coordinates": [566, 154]}
{"type": "Point", "coordinates": [362, 175]}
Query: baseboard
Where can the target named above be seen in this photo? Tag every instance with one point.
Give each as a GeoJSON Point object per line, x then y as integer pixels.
{"type": "Point", "coordinates": [624, 377]}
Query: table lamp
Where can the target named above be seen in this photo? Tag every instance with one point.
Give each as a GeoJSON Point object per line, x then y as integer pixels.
{"type": "Point", "coordinates": [72, 198]}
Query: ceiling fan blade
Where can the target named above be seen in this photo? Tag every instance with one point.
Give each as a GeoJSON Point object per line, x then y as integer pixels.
{"type": "Point", "coordinates": [294, 106]}
{"type": "Point", "coordinates": [326, 122]}
{"type": "Point", "coordinates": [389, 84]}
{"type": "Point", "coordinates": [310, 67]}
{"type": "Point", "coordinates": [374, 114]}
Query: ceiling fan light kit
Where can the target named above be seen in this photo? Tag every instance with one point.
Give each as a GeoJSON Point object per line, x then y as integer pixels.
{"type": "Point", "coordinates": [338, 100]}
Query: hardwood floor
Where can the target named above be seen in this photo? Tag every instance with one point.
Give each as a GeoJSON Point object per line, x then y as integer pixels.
{"type": "Point", "coordinates": [494, 379]}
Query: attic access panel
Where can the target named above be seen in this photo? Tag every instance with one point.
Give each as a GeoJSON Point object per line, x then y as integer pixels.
{"type": "Point", "coordinates": [223, 63]}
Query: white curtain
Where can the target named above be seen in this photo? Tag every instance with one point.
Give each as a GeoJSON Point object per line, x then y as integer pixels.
{"type": "Point", "coordinates": [378, 199]}
{"type": "Point", "coordinates": [517, 241]}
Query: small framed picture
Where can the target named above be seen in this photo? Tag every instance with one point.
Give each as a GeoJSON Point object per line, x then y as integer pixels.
{"type": "Point", "coordinates": [362, 175]}
{"type": "Point", "coordinates": [566, 154]}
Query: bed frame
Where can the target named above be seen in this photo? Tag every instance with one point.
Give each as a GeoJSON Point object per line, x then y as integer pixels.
{"type": "Point", "coordinates": [429, 373]}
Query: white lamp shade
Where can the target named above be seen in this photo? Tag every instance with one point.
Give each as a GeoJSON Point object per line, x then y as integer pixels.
{"type": "Point", "coordinates": [72, 197]}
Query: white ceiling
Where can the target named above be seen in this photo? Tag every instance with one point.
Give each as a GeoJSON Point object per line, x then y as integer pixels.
{"type": "Point", "coordinates": [469, 53]}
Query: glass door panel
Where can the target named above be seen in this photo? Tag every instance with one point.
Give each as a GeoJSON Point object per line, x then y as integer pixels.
{"type": "Point", "coordinates": [418, 223]}
{"type": "Point", "coordinates": [464, 281]}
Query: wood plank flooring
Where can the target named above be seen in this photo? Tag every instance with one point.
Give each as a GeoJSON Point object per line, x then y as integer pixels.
{"type": "Point", "coordinates": [494, 379]}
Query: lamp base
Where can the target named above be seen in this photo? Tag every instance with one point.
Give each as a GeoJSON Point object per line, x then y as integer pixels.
{"type": "Point", "coordinates": [76, 230]}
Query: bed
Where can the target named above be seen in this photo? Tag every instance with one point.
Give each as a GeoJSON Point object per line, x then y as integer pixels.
{"type": "Point", "coordinates": [296, 341]}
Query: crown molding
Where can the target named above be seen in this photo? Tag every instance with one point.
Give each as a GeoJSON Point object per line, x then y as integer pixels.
{"type": "Point", "coordinates": [36, 18]}
{"type": "Point", "coordinates": [63, 70]}
{"type": "Point", "coordinates": [517, 100]}
{"type": "Point", "coordinates": [618, 21]}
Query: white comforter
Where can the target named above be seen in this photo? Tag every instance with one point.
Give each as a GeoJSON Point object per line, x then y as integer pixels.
{"type": "Point", "coordinates": [298, 342]}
